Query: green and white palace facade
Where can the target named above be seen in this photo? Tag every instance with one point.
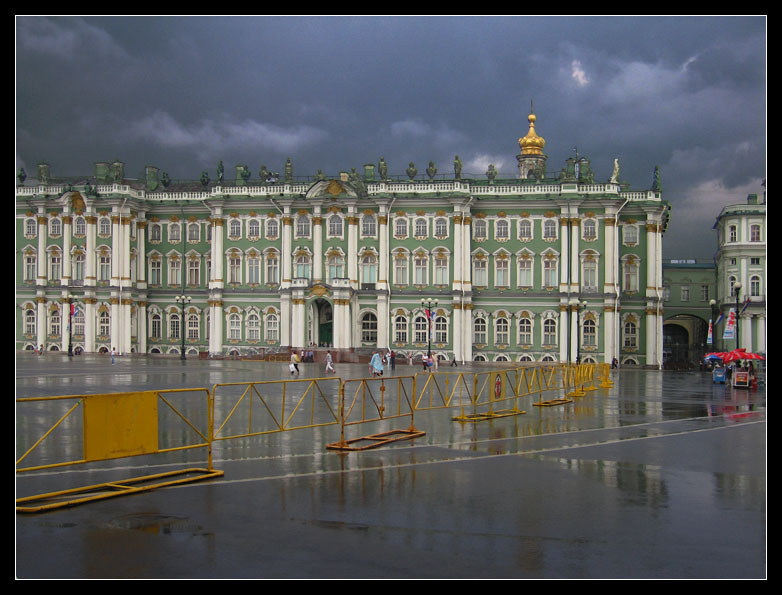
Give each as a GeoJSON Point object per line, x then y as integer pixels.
{"type": "Point", "coordinates": [531, 268]}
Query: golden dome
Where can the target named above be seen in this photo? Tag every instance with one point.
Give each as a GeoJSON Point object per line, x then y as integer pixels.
{"type": "Point", "coordinates": [532, 144]}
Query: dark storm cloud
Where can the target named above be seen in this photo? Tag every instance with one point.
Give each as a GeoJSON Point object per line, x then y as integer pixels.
{"type": "Point", "coordinates": [687, 94]}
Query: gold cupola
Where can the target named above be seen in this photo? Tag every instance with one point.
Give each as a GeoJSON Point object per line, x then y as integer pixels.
{"type": "Point", "coordinates": [532, 144]}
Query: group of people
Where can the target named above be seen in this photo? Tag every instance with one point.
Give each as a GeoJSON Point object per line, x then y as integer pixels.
{"type": "Point", "coordinates": [309, 356]}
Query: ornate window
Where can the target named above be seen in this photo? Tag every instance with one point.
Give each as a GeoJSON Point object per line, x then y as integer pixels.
{"type": "Point", "coordinates": [421, 228]}
{"type": "Point", "coordinates": [253, 229]}
{"type": "Point", "coordinates": [54, 322]}
{"type": "Point", "coordinates": [78, 323]}
{"type": "Point", "coordinates": [421, 329]}
{"type": "Point", "coordinates": [174, 233]}
{"type": "Point", "coordinates": [400, 329]}
{"type": "Point", "coordinates": [79, 227]}
{"type": "Point", "coordinates": [400, 268]}
{"type": "Point", "coordinates": [55, 266]}
{"type": "Point", "coordinates": [336, 266]}
{"type": "Point", "coordinates": [30, 228]}
{"type": "Point", "coordinates": [589, 229]}
{"type": "Point", "coordinates": [272, 229]}
{"type": "Point", "coordinates": [30, 265]}
{"type": "Point", "coordinates": [193, 327]}
{"type": "Point", "coordinates": [754, 286]}
{"type": "Point", "coordinates": [104, 324]}
{"type": "Point", "coordinates": [154, 233]}
{"type": "Point", "coordinates": [479, 331]}
{"type": "Point", "coordinates": [29, 322]}
{"type": "Point", "coordinates": [400, 227]}
{"type": "Point", "coordinates": [441, 329]}
{"type": "Point", "coordinates": [234, 268]}
{"type": "Point", "coordinates": [234, 327]}
{"type": "Point", "coordinates": [234, 229]}
{"type": "Point", "coordinates": [589, 333]}
{"type": "Point", "coordinates": [193, 232]}
{"type": "Point", "coordinates": [550, 230]}
{"type": "Point", "coordinates": [525, 270]}
{"type": "Point", "coordinates": [174, 271]}
{"type": "Point", "coordinates": [302, 226]}
{"type": "Point", "coordinates": [479, 229]}
{"type": "Point", "coordinates": [303, 265]}
{"type": "Point", "coordinates": [589, 272]}
{"type": "Point", "coordinates": [272, 268]}
{"type": "Point", "coordinates": [421, 269]}
{"type": "Point", "coordinates": [525, 230]}
{"type": "Point", "coordinates": [55, 227]}
{"type": "Point", "coordinates": [630, 334]}
{"type": "Point", "coordinates": [104, 227]}
{"type": "Point", "coordinates": [630, 273]}
{"type": "Point", "coordinates": [754, 233]}
{"type": "Point", "coordinates": [335, 226]}
{"type": "Point", "coordinates": [368, 226]}
{"type": "Point", "coordinates": [502, 271]}
{"type": "Point", "coordinates": [441, 227]}
{"type": "Point", "coordinates": [501, 331]}
{"type": "Point", "coordinates": [525, 331]}
{"type": "Point", "coordinates": [630, 234]}
{"type": "Point", "coordinates": [550, 264]}
{"type": "Point", "coordinates": [502, 230]}
{"type": "Point", "coordinates": [440, 268]}
{"type": "Point", "coordinates": [550, 332]}
{"type": "Point", "coordinates": [272, 328]}
{"type": "Point", "coordinates": [254, 268]}
{"type": "Point", "coordinates": [173, 326]}
{"type": "Point", "coordinates": [194, 271]}
{"type": "Point", "coordinates": [369, 328]}
{"type": "Point", "coordinates": [480, 273]}
{"type": "Point", "coordinates": [154, 270]}
{"type": "Point", "coordinates": [368, 271]}
{"type": "Point", "coordinates": [156, 326]}
{"type": "Point", "coordinates": [253, 327]}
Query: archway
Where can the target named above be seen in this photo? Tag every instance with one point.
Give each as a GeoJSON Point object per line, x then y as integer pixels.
{"type": "Point", "coordinates": [323, 327]}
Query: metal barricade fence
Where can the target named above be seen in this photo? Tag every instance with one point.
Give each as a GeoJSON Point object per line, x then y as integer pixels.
{"type": "Point", "coordinates": [274, 406]}
{"type": "Point", "coordinates": [111, 426]}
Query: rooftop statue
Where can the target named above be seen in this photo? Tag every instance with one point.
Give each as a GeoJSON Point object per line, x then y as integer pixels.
{"type": "Point", "coordinates": [615, 174]}
{"type": "Point", "coordinates": [457, 168]}
{"type": "Point", "coordinates": [204, 178]}
{"type": "Point", "coordinates": [412, 172]}
{"type": "Point", "coordinates": [656, 185]}
{"type": "Point", "coordinates": [320, 176]}
{"type": "Point", "coordinates": [21, 176]}
{"type": "Point", "coordinates": [288, 171]}
{"type": "Point", "coordinates": [431, 171]}
{"type": "Point", "coordinates": [165, 180]}
{"type": "Point", "coordinates": [382, 167]}
{"type": "Point", "coordinates": [491, 173]}
{"type": "Point", "coordinates": [220, 172]}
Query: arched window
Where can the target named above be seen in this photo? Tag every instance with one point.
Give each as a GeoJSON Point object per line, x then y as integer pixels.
{"type": "Point", "coordinates": [79, 227]}
{"type": "Point", "coordinates": [302, 226]}
{"type": "Point", "coordinates": [479, 229]}
{"type": "Point", "coordinates": [272, 328]}
{"type": "Point", "coordinates": [400, 329]}
{"type": "Point", "coordinates": [253, 327]}
{"type": "Point", "coordinates": [154, 232]}
{"type": "Point", "coordinates": [173, 326]}
{"type": "Point", "coordinates": [525, 331]}
{"type": "Point", "coordinates": [193, 232]}
{"type": "Point", "coordinates": [479, 331]}
{"type": "Point", "coordinates": [29, 322]}
{"type": "Point", "coordinates": [549, 229]}
{"type": "Point", "coordinates": [335, 226]}
{"type": "Point", "coordinates": [369, 328]}
{"type": "Point", "coordinates": [368, 227]}
{"type": "Point", "coordinates": [754, 286]}
{"type": "Point", "coordinates": [525, 230]}
{"type": "Point", "coordinates": [590, 229]}
{"type": "Point", "coordinates": [502, 229]}
{"type": "Point", "coordinates": [480, 273]}
{"type": "Point", "coordinates": [104, 324]}
{"type": "Point", "coordinates": [421, 329]}
{"type": "Point", "coordinates": [30, 228]}
{"type": "Point", "coordinates": [441, 329]}
{"type": "Point", "coordinates": [272, 229]}
{"type": "Point", "coordinates": [104, 227]}
{"type": "Point", "coordinates": [55, 227]}
{"type": "Point", "coordinates": [501, 333]}
{"type": "Point", "coordinates": [272, 268]}
{"type": "Point", "coordinates": [234, 327]}
{"type": "Point", "coordinates": [235, 229]}
{"type": "Point", "coordinates": [754, 233]}
{"type": "Point", "coordinates": [550, 332]}
{"type": "Point", "coordinates": [253, 229]}
{"type": "Point", "coordinates": [441, 227]}
{"type": "Point", "coordinates": [421, 228]}
{"type": "Point", "coordinates": [156, 326]}
{"type": "Point", "coordinates": [174, 233]}
{"type": "Point", "coordinates": [193, 327]}
{"type": "Point", "coordinates": [336, 266]}
{"type": "Point", "coordinates": [630, 334]}
{"type": "Point", "coordinates": [368, 271]}
{"type": "Point", "coordinates": [303, 266]}
{"type": "Point", "coordinates": [589, 333]}
{"type": "Point", "coordinates": [400, 227]}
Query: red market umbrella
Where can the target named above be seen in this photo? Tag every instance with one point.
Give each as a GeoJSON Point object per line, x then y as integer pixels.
{"type": "Point", "coordinates": [740, 354]}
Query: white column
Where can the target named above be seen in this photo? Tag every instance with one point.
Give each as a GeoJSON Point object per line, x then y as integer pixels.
{"type": "Point", "coordinates": [141, 257]}
{"type": "Point", "coordinates": [564, 259]}
{"type": "Point", "coordinates": [286, 273]}
{"type": "Point", "coordinates": [89, 325]}
{"type": "Point", "coordinates": [141, 317]}
{"type": "Point", "coordinates": [67, 237]}
{"type": "Point", "coordinates": [575, 231]}
{"type": "Point", "coordinates": [317, 246]}
{"type": "Point", "coordinates": [563, 333]}
{"type": "Point", "coordinates": [90, 272]}
{"type": "Point", "coordinates": [43, 257]}
{"type": "Point", "coordinates": [352, 275]}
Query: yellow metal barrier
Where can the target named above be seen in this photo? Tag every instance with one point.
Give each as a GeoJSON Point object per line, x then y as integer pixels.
{"type": "Point", "coordinates": [275, 406]}
{"type": "Point", "coordinates": [364, 400]}
{"type": "Point", "coordinates": [111, 426]}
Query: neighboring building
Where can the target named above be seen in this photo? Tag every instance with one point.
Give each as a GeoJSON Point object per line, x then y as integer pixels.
{"type": "Point", "coordinates": [689, 286]}
{"type": "Point", "coordinates": [533, 268]}
{"type": "Point", "coordinates": [741, 273]}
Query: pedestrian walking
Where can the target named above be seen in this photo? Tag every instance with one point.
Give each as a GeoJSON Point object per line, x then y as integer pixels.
{"type": "Point", "coordinates": [329, 367]}
{"type": "Point", "coordinates": [113, 351]}
{"type": "Point", "coordinates": [376, 364]}
{"type": "Point", "coordinates": [393, 361]}
{"type": "Point", "coordinates": [294, 367]}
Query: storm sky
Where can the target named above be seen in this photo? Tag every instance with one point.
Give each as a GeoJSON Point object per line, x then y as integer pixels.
{"type": "Point", "coordinates": [182, 93]}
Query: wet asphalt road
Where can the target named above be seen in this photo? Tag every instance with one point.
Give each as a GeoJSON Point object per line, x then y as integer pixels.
{"type": "Point", "coordinates": [661, 476]}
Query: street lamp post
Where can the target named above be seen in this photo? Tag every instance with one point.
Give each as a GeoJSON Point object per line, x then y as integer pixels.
{"type": "Point", "coordinates": [737, 286]}
{"type": "Point", "coordinates": [713, 304]}
{"type": "Point", "coordinates": [69, 297]}
{"type": "Point", "coordinates": [427, 304]}
{"type": "Point", "coordinates": [183, 300]}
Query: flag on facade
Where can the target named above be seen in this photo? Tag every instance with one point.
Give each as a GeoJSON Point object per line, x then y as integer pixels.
{"type": "Point", "coordinates": [730, 326]}
{"type": "Point", "coordinates": [744, 307]}
{"type": "Point", "coordinates": [709, 337]}
{"type": "Point", "coordinates": [720, 318]}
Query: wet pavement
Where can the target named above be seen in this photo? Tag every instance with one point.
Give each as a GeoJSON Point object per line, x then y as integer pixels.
{"type": "Point", "coordinates": [661, 476]}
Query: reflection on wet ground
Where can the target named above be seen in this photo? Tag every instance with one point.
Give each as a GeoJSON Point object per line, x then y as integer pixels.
{"type": "Point", "coordinates": [661, 476]}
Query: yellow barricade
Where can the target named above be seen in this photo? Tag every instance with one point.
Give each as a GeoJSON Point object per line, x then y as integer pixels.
{"type": "Point", "coordinates": [111, 426]}
{"type": "Point", "coordinates": [366, 400]}
{"type": "Point", "coordinates": [274, 406]}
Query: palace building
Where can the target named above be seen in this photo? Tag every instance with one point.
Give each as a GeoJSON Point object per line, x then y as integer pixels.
{"type": "Point", "coordinates": [536, 267]}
